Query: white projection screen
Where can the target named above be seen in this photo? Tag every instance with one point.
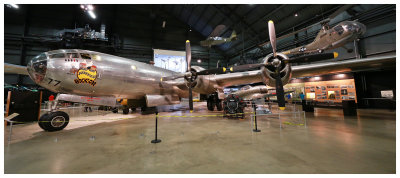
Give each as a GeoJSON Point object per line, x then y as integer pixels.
{"type": "Point", "coordinates": [171, 60]}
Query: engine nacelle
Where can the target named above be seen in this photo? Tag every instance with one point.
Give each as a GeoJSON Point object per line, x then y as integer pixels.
{"type": "Point", "coordinates": [204, 83]}
{"type": "Point", "coordinates": [268, 72]}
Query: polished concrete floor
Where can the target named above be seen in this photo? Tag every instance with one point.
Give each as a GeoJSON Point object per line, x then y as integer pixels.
{"type": "Point", "coordinates": [331, 143]}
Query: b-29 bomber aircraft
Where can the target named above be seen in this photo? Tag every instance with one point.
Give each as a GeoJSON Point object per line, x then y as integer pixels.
{"type": "Point", "coordinates": [97, 78]}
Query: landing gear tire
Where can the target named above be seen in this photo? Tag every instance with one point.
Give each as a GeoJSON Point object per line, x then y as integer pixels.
{"type": "Point", "coordinates": [125, 111]}
{"type": "Point", "coordinates": [210, 105]}
{"type": "Point", "coordinates": [54, 121]}
{"type": "Point", "coordinates": [115, 110]}
{"type": "Point", "coordinates": [219, 105]}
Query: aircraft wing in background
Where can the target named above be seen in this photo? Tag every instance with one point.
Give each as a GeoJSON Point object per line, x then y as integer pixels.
{"type": "Point", "coordinates": [15, 69]}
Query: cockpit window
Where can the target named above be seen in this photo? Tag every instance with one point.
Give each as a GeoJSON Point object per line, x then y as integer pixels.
{"type": "Point", "coordinates": [39, 66]}
{"type": "Point", "coordinates": [59, 55]}
{"type": "Point", "coordinates": [72, 55]}
{"type": "Point", "coordinates": [40, 57]}
{"type": "Point", "coordinates": [339, 29]}
{"type": "Point", "coordinates": [85, 56]}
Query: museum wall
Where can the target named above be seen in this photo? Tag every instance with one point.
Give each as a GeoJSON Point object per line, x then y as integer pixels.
{"type": "Point", "coordinates": [370, 85]}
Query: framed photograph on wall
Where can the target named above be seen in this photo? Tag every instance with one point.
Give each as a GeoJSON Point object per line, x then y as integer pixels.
{"type": "Point", "coordinates": [344, 91]}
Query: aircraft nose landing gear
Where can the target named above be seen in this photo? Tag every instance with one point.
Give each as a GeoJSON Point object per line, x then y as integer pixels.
{"type": "Point", "coordinates": [54, 121]}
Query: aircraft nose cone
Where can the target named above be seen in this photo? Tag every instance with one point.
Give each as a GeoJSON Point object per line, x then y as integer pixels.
{"type": "Point", "coordinates": [360, 28]}
{"type": "Point", "coordinates": [37, 68]}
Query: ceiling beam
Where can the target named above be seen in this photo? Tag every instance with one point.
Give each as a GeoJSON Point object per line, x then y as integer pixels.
{"type": "Point", "coordinates": [234, 24]}
{"type": "Point", "coordinates": [201, 15]}
{"type": "Point", "coordinates": [208, 21]}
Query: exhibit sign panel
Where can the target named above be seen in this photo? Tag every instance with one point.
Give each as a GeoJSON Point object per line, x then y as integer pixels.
{"type": "Point", "coordinates": [333, 90]}
{"type": "Point", "coordinates": [171, 60]}
{"type": "Point", "coordinates": [387, 93]}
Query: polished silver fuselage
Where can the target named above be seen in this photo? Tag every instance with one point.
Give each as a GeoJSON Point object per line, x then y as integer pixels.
{"type": "Point", "coordinates": [116, 76]}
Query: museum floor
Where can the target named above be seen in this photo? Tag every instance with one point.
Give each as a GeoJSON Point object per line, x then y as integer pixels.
{"type": "Point", "coordinates": [331, 143]}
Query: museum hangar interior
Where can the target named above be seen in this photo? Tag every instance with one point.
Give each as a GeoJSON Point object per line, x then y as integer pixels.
{"type": "Point", "coordinates": [200, 88]}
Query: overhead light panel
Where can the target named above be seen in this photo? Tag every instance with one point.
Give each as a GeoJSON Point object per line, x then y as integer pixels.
{"type": "Point", "coordinates": [198, 60]}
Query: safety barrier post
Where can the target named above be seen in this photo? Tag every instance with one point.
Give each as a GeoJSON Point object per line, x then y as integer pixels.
{"type": "Point", "coordinates": [155, 139]}
{"type": "Point", "coordinates": [255, 118]}
{"type": "Point", "coordinates": [9, 136]}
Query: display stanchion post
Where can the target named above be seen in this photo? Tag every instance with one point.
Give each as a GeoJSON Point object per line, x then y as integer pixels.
{"type": "Point", "coordinates": [255, 118]}
{"type": "Point", "coordinates": [155, 139]}
{"type": "Point", "coordinates": [9, 135]}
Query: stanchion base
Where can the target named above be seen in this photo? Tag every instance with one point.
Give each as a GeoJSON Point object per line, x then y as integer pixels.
{"type": "Point", "coordinates": [254, 130]}
{"type": "Point", "coordinates": [156, 141]}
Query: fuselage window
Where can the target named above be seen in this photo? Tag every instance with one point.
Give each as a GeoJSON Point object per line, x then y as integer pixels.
{"type": "Point", "coordinates": [59, 55]}
{"type": "Point", "coordinates": [72, 55]}
{"type": "Point", "coordinates": [85, 56]}
{"type": "Point", "coordinates": [339, 29]}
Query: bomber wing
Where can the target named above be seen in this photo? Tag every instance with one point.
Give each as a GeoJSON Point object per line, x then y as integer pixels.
{"type": "Point", "coordinates": [15, 69]}
{"type": "Point", "coordinates": [352, 65]}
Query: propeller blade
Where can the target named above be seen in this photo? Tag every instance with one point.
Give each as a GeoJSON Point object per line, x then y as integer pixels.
{"type": "Point", "coordinates": [190, 97]}
{"type": "Point", "coordinates": [231, 69]}
{"type": "Point", "coordinates": [313, 57]}
{"type": "Point", "coordinates": [279, 90]}
{"type": "Point", "coordinates": [272, 37]}
{"type": "Point", "coordinates": [212, 71]}
{"type": "Point", "coordinates": [188, 55]}
{"type": "Point", "coordinates": [246, 67]}
{"type": "Point", "coordinates": [189, 60]}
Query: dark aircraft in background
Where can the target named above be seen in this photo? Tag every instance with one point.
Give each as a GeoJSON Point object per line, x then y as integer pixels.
{"type": "Point", "coordinates": [100, 79]}
{"type": "Point", "coordinates": [215, 39]}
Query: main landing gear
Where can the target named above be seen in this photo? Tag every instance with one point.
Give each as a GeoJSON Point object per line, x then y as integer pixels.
{"type": "Point", "coordinates": [213, 101]}
{"type": "Point", "coordinates": [125, 110]}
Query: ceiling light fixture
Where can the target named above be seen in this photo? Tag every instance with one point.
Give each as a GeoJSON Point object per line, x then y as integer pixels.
{"type": "Point", "coordinates": [90, 7]}
{"type": "Point", "coordinates": [15, 6]}
{"type": "Point", "coordinates": [296, 15]}
{"type": "Point", "coordinates": [91, 13]}
{"type": "Point", "coordinates": [163, 24]}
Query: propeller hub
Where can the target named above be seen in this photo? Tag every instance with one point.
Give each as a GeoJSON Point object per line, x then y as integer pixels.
{"type": "Point", "coordinates": [276, 62]}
